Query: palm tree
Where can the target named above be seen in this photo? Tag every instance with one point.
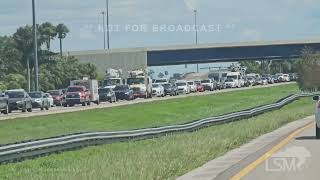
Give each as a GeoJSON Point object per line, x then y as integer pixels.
{"type": "Point", "coordinates": [48, 32]}
{"type": "Point", "coordinates": [62, 31]}
{"type": "Point", "coordinates": [24, 42]}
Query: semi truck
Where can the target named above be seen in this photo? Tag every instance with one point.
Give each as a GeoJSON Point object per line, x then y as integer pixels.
{"type": "Point", "coordinates": [140, 83]}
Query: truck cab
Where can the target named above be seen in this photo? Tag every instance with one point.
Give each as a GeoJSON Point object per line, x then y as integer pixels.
{"type": "Point", "coordinates": [140, 83]}
{"type": "Point", "coordinates": [77, 95]}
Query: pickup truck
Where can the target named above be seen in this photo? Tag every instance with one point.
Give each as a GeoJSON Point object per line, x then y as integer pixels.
{"type": "Point", "coordinates": [77, 95]}
{"type": "Point", "coordinates": [4, 103]}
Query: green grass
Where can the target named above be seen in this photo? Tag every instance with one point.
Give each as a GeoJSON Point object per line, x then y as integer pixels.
{"type": "Point", "coordinates": [163, 158]}
{"type": "Point", "coordinates": [141, 115]}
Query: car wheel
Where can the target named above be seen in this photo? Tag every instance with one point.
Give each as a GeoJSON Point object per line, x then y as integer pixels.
{"type": "Point", "coordinates": [7, 110]}
{"type": "Point", "coordinates": [42, 108]}
{"type": "Point", "coordinates": [84, 104]}
{"type": "Point", "coordinates": [48, 107]}
{"type": "Point", "coordinates": [317, 132]}
{"type": "Point", "coordinates": [89, 103]}
{"type": "Point", "coordinates": [29, 110]}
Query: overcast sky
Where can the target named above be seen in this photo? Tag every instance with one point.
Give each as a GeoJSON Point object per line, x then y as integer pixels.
{"type": "Point", "coordinates": [220, 21]}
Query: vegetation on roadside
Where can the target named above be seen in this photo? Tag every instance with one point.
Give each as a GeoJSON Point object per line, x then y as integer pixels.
{"type": "Point", "coordinates": [153, 114]}
{"type": "Point", "coordinates": [163, 158]}
{"type": "Point", "coordinates": [55, 71]}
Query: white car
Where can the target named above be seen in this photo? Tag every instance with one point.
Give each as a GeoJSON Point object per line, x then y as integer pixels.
{"type": "Point", "coordinates": [317, 115]}
{"type": "Point", "coordinates": [230, 83]}
{"type": "Point", "coordinates": [158, 90]}
{"type": "Point", "coordinates": [208, 84]}
{"type": "Point", "coordinates": [193, 86]}
{"type": "Point", "coordinates": [264, 81]}
{"type": "Point", "coordinates": [50, 99]}
{"type": "Point", "coordinates": [183, 87]}
{"type": "Point", "coordinates": [286, 77]}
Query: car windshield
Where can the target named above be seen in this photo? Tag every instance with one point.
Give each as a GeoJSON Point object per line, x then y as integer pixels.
{"type": "Point", "coordinates": [233, 77]}
{"type": "Point", "coordinates": [181, 84]}
{"type": "Point", "coordinates": [229, 80]}
{"type": "Point", "coordinates": [75, 89]}
{"type": "Point", "coordinates": [190, 83]}
{"type": "Point", "coordinates": [35, 95]}
{"type": "Point", "coordinates": [132, 81]}
{"type": "Point", "coordinates": [166, 86]}
{"type": "Point", "coordinates": [104, 90]}
{"type": "Point", "coordinates": [121, 88]}
{"type": "Point", "coordinates": [205, 81]}
{"type": "Point", "coordinates": [111, 82]}
{"type": "Point", "coordinates": [54, 93]}
{"type": "Point", "coordinates": [161, 81]}
{"type": "Point", "coordinates": [155, 85]}
{"type": "Point", "coordinates": [15, 94]}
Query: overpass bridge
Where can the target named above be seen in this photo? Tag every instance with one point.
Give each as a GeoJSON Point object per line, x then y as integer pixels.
{"type": "Point", "coordinates": [138, 58]}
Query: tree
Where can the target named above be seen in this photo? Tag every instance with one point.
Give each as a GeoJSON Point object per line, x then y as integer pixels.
{"type": "Point", "coordinates": [62, 31]}
{"type": "Point", "coordinates": [309, 70]}
{"type": "Point", "coordinates": [252, 66]}
{"type": "Point", "coordinates": [48, 32]}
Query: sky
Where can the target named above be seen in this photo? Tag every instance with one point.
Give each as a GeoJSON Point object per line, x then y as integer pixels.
{"type": "Point", "coordinates": [147, 23]}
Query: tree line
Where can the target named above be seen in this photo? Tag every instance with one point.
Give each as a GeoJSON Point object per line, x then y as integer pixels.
{"type": "Point", "coordinates": [55, 70]}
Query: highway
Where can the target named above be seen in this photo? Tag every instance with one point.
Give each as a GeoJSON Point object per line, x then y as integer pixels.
{"type": "Point", "coordinates": [298, 159]}
{"type": "Point", "coordinates": [58, 110]}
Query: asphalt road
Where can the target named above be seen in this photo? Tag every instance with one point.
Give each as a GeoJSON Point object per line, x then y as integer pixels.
{"type": "Point", "coordinates": [297, 160]}
{"type": "Point", "coordinates": [58, 110]}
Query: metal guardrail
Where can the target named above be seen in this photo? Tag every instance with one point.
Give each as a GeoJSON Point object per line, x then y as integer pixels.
{"type": "Point", "coordinates": [36, 148]}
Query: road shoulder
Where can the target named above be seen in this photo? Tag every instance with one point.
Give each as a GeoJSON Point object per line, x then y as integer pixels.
{"type": "Point", "coordinates": [226, 166]}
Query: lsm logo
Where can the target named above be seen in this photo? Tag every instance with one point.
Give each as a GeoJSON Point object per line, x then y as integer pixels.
{"type": "Point", "coordinates": [290, 160]}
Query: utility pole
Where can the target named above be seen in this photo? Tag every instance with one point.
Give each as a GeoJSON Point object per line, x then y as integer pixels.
{"type": "Point", "coordinates": [108, 37]}
{"type": "Point", "coordinates": [35, 46]}
{"type": "Point", "coordinates": [196, 28]}
{"type": "Point", "coordinates": [104, 30]}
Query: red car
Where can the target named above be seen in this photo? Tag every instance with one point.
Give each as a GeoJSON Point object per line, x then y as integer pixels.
{"type": "Point", "coordinates": [200, 87]}
{"type": "Point", "coordinates": [58, 97]}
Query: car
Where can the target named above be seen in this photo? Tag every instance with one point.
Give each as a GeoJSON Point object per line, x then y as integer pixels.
{"type": "Point", "coordinates": [275, 79]}
{"type": "Point", "coordinates": [193, 86]}
{"type": "Point", "coordinates": [4, 103]}
{"type": "Point", "coordinates": [317, 115]}
{"type": "Point", "coordinates": [123, 92]}
{"type": "Point", "coordinates": [183, 87]}
{"type": "Point", "coordinates": [264, 81]}
{"type": "Point", "coordinates": [200, 87]}
{"type": "Point", "coordinates": [230, 83]}
{"type": "Point", "coordinates": [50, 98]}
{"type": "Point", "coordinates": [107, 95]}
{"type": "Point", "coordinates": [39, 100]}
{"type": "Point", "coordinates": [58, 97]}
{"type": "Point", "coordinates": [251, 80]}
{"type": "Point", "coordinates": [158, 90]}
{"type": "Point", "coordinates": [208, 84]}
{"type": "Point", "coordinates": [19, 99]}
{"type": "Point", "coordinates": [77, 95]}
{"type": "Point", "coordinates": [280, 77]}
{"type": "Point", "coordinates": [170, 89]}
{"type": "Point", "coordinates": [293, 77]}
{"type": "Point", "coordinates": [259, 81]}
{"type": "Point", "coordinates": [286, 78]}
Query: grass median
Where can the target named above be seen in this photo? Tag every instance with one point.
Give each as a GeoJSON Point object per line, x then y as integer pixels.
{"type": "Point", "coordinates": [143, 115]}
{"type": "Point", "coordinates": [163, 158]}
